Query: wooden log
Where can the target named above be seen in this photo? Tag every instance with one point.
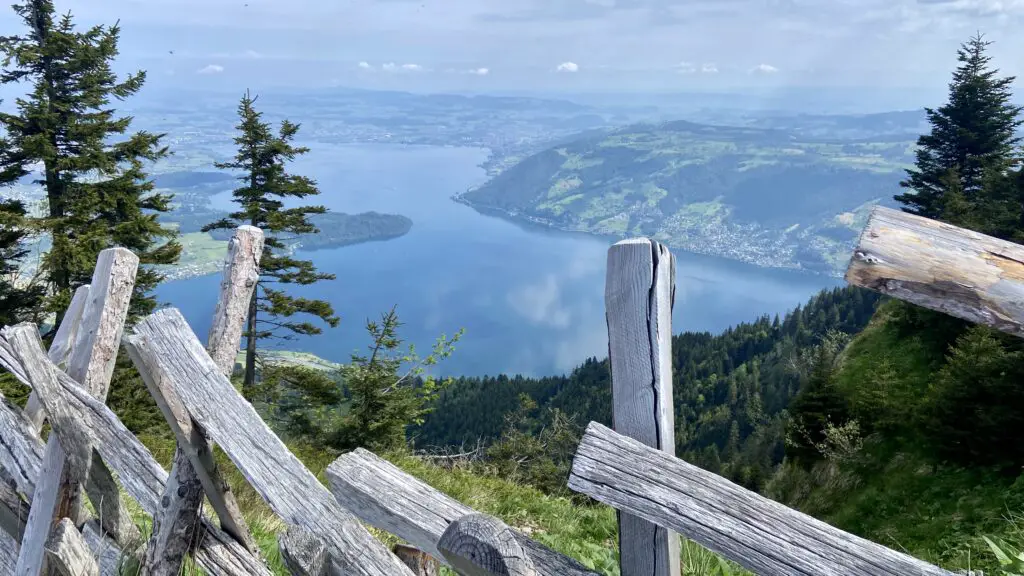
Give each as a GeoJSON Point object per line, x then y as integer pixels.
{"type": "Point", "coordinates": [303, 553]}
{"type": "Point", "coordinates": [62, 467]}
{"type": "Point", "coordinates": [13, 509]}
{"type": "Point", "coordinates": [639, 296]}
{"type": "Point", "coordinates": [21, 452]}
{"type": "Point", "coordinates": [194, 469]}
{"type": "Point", "coordinates": [384, 496]}
{"type": "Point", "coordinates": [763, 536]}
{"type": "Point", "coordinates": [291, 490]}
{"type": "Point", "coordinates": [942, 267]}
{"type": "Point", "coordinates": [8, 553]}
{"type": "Point", "coordinates": [481, 545]}
{"type": "Point", "coordinates": [67, 552]}
{"type": "Point", "coordinates": [140, 474]}
{"type": "Point", "coordinates": [59, 350]}
{"type": "Point", "coordinates": [421, 563]}
{"type": "Point", "coordinates": [91, 363]}
{"type": "Point", "coordinates": [107, 553]}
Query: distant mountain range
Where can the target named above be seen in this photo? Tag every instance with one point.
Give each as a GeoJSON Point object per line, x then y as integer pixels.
{"type": "Point", "coordinates": [792, 192]}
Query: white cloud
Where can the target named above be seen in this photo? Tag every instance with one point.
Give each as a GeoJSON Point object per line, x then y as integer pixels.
{"type": "Point", "coordinates": [210, 69]}
{"type": "Point", "coordinates": [764, 69]}
{"type": "Point", "coordinates": [691, 68]}
{"type": "Point", "coordinates": [364, 65]}
{"type": "Point", "coordinates": [568, 67]}
{"type": "Point", "coordinates": [709, 68]}
{"type": "Point", "coordinates": [392, 67]}
{"type": "Point", "coordinates": [252, 54]}
{"type": "Point", "coordinates": [686, 67]}
{"type": "Point", "coordinates": [480, 71]}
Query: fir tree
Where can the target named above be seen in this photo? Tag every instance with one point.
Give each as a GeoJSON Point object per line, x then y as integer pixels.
{"type": "Point", "coordinates": [97, 192]}
{"type": "Point", "coordinates": [261, 159]}
{"type": "Point", "coordinates": [973, 134]}
{"type": "Point", "coordinates": [18, 300]}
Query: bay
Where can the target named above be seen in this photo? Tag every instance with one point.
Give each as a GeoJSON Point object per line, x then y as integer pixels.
{"type": "Point", "coordinates": [531, 300]}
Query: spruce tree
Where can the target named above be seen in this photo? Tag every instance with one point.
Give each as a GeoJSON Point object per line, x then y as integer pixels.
{"type": "Point", "coordinates": [97, 191]}
{"type": "Point", "coordinates": [973, 136]}
{"type": "Point", "coordinates": [261, 159]}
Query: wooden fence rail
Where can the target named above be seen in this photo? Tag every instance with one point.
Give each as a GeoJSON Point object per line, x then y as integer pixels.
{"type": "Point", "coordinates": [43, 526]}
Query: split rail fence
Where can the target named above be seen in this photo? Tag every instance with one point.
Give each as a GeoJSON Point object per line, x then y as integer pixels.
{"type": "Point", "coordinates": [46, 528]}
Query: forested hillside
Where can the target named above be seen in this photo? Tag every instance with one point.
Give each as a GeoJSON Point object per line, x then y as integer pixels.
{"type": "Point", "coordinates": [730, 390]}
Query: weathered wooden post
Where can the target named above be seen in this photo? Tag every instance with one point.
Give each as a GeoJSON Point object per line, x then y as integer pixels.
{"type": "Point", "coordinates": [58, 493]}
{"type": "Point", "coordinates": [194, 470]}
{"type": "Point", "coordinates": [639, 296]}
{"type": "Point", "coordinates": [481, 545]}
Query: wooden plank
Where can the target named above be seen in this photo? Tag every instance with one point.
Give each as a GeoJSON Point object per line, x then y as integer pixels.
{"type": "Point", "coordinates": [763, 536]}
{"type": "Point", "coordinates": [421, 563]}
{"type": "Point", "coordinates": [942, 267]}
{"type": "Point", "coordinates": [481, 545]}
{"type": "Point", "coordinates": [384, 496]}
{"type": "Point", "coordinates": [303, 553]}
{"type": "Point", "coordinates": [67, 552]}
{"type": "Point", "coordinates": [291, 490]}
{"type": "Point", "coordinates": [140, 474]}
{"type": "Point", "coordinates": [194, 469]}
{"type": "Point", "coordinates": [59, 350]}
{"type": "Point", "coordinates": [639, 296]}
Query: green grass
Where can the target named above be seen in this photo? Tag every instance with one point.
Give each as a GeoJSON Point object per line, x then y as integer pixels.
{"type": "Point", "coordinates": [586, 533]}
{"type": "Point", "coordinates": [891, 493]}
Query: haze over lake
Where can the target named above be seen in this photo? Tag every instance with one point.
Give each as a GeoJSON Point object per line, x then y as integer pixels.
{"type": "Point", "coordinates": [531, 301]}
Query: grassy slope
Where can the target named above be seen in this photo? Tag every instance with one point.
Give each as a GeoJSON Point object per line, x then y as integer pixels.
{"type": "Point", "coordinates": [892, 494]}
{"type": "Point", "coordinates": [585, 533]}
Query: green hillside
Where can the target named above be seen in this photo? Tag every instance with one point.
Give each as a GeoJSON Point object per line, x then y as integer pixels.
{"type": "Point", "coordinates": [770, 197]}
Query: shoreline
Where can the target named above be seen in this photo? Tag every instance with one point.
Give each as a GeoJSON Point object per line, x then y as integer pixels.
{"type": "Point", "coordinates": [543, 224]}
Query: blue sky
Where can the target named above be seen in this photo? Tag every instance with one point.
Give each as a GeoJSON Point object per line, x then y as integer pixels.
{"type": "Point", "coordinates": [560, 45]}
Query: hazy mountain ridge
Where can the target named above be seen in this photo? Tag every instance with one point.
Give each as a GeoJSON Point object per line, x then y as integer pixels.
{"type": "Point", "coordinates": [777, 197]}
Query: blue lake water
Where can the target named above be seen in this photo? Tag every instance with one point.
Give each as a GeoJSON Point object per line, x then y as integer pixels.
{"type": "Point", "coordinates": [531, 301]}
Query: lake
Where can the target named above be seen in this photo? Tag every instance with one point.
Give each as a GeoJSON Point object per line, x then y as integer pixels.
{"type": "Point", "coordinates": [531, 301]}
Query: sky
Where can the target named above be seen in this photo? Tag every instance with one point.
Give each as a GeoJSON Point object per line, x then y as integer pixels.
{"type": "Point", "coordinates": [542, 46]}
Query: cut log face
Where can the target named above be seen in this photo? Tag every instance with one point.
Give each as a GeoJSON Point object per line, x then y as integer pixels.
{"type": "Point", "coordinates": [481, 545]}
{"type": "Point", "coordinates": [68, 554]}
{"type": "Point", "coordinates": [942, 267]}
{"type": "Point", "coordinates": [303, 553]}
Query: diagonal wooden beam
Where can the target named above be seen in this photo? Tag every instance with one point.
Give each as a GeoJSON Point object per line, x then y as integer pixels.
{"type": "Point", "coordinates": [59, 350]}
{"type": "Point", "coordinates": [292, 491]}
{"type": "Point", "coordinates": [138, 471]}
{"type": "Point", "coordinates": [194, 469]}
{"type": "Point", "coordinates": [942, 267]}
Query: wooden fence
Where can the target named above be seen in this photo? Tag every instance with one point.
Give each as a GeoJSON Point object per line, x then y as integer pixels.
{"type": "Point", "coordinates": [45, 527]}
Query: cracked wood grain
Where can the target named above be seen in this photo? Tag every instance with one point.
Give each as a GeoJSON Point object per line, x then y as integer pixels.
{"type": "Point", "coordinates": [639, 296]}
{"type": "Point", "coordinates": [67, 552]}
